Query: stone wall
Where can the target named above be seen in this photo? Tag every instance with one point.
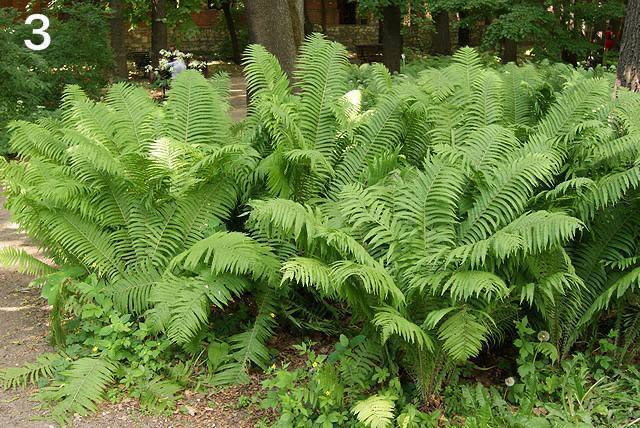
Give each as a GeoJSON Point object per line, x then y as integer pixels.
{"type": "Point", "coordinates": [202, 40]}
{"type": "Point", "coordinates": [352, 35]}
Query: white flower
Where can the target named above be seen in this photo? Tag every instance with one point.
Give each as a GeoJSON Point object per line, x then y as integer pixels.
{"type": "Point", "coordinates": [510, 381]}
{"type": "Point", "coordinates": [543, 336]}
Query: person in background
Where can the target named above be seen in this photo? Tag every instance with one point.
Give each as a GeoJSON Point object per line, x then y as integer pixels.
{"type": "Point", "coordinates": [177, 65]}
{"type": "Point", "coordinates": [609, 41]}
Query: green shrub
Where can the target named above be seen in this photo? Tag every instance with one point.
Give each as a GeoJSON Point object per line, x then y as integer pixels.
{"type": "Point", "coordinates": [24, 85]}
{"type": "Point", "coordinates": [79, 52]}
{"type": "Point", "coordinates": [347, 388]}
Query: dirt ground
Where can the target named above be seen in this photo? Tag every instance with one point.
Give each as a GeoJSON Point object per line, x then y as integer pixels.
{"type": "Point", "coordinates": [23, 336]}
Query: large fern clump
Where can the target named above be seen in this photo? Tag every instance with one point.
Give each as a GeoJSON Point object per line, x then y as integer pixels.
{"type": "Point", "coordinates": [425, 212]}
{"type": "Point", "coordinates": [439, 215]}
{"type": "Point", "coordinates": [120, 189]}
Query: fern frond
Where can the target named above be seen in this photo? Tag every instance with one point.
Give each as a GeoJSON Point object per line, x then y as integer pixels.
{"type": "Point", "coordinates": [82, 388]}
{"type": "Point", "coordinates": [321, 76]}
{"type": "Point", "coordinates": [24, 262]}
{"type": "Point", "coordinates": [196, 113]}
{"type": "Point", "coordinates": [45, 367]}
{"type": "Point", "coordinates": [376, 411]}
{"type": "Point", "coordinates": [249, 347]}
{"type": "Point", "coordinates": [230, 252]}
{"type": "Point", "coordinates": [462, 334]}
{"type": "Point", "coordinates": [391, 322]}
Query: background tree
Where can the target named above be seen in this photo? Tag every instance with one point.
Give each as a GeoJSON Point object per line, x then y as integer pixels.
{"type": "Point", "coordinates": [226, 6]}
{"type": "Point", "coordinates": [118, 40]}
{"type": "Point", "coordinates": [441, 41]}
{"type": "Point", "coordinates": [392, 37]}
{"type": "Point", "coordinates": [158, 28]}
{"type": "Point", "coordinates": [628, 72]}
{"type": "Point", "coordinates": [568, 31]}
{"type": "Point", "coordinates": [390, 13]}
{"type": "Point", "coordinates": [278, 27]}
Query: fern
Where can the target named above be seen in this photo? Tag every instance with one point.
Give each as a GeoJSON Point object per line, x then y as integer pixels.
{"type": "Point", "coordinates": [25, 262]}
{"type": "Point", "coordinates": [45, 367]}
{"type": "Point", "coordinates": [84, 385]}
{"type": "Point", "coordinates": [376, 411]}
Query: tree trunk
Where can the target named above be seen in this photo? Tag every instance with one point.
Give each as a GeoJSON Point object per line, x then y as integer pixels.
{"type": "Point", "coordinates": [628, 73]}
{"type": "Point", "coordinates": [569, 57]}
{"type": "Point", "coordinates": [118, 46]}
{"type": "Point", "coordinates": [323, 13]}
{"type": "Point", "coordinates": [308, 25]}
{"type": "Point", "coordinates": [391, 37]}
{"type": "Point", "coordinates": [158, 29]}
{"type": "Point", "coordinates": [267, 21]}
{"type": "Point", "coordinates": [441, 43]}
{"type": "Point", "coordinates": [296, 9]}
{"type": "Point", "coordinates": [464, 32]}
{"type": "Point", "coordinates": [233, 36]}
{"type": "Point", "coordinates": [509, 51]}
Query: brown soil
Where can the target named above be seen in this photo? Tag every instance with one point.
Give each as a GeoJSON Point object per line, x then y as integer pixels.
{"type": "Point", "coordinates": [23, 336]}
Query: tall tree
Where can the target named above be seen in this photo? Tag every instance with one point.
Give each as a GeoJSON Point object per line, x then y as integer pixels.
{"type": "Point", "coordinates": [441, 42]}
{"type": "Point", "coordinates": [628, 73]}
{"type": "Point", "coordinates": [118, 40]}
{"type": "Point", "coordinates": [509, 51]}
{"type": "Point", "coordinates": [158, 28]}
{"type": "Point", "coordinates": [225, 6]}
{"type": "Point", "coordinates": [391, 37]}
{"type": "Point", "coordinates": [323, 14]}
{"type": "Point", "coordinates": [464, 32]}
{"type": "Point", "coordinates": [277, 25]}
{"type": "Point", "coordinates": [390, 13]}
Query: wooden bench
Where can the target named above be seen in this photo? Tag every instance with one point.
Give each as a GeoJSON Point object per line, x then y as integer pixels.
{"type": "Point", "coordinates": [369, 53]}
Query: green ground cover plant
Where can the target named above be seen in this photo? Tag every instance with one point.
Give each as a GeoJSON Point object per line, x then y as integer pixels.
{"type": "Point", "coordinates": [428, 221]}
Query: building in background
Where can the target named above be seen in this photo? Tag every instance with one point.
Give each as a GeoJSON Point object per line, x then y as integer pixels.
{"type": "Point", "coordinates": [340, 20]}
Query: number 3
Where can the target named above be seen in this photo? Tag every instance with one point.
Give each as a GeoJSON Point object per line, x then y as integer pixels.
{"type": "Point", "coordinates": [39, 31]}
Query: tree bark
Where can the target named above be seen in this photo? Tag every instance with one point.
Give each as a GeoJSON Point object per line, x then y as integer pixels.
{"type": "Point", "coordinates": [158, 29]}
{"type": "Point", "coordinates": [272, 25]}
{"type": "Point", "coordinates": [323, 13]}
{"type": "Point", "coordinates": [509, 51]}
{"type": "Point", "coordinates": [628, 72]}
{"type": "Point", "coordinates": [308, 25]}
{"type": "Point", "coordinates": [464, 32]}
{"type": "Point", "coordinates": [391, 37]}
{"type": "Point", "coordinates": [441, 43]}
{"type": "Point", "coordinates": [233, 35]}
{"type": "Point", "coordinates": [296, 10]}
{"type": "Point", "coordinates": [118, 46]}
